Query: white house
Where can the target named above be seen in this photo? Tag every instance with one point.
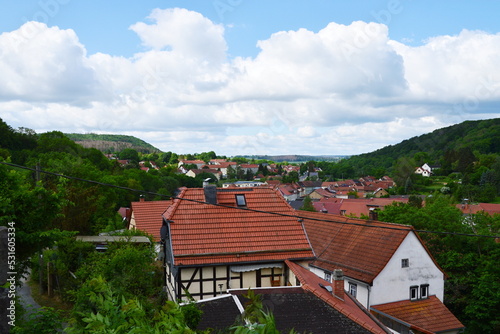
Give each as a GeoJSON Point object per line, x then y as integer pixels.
{"type": "Point", "coordinates": [383, 263]}
{"type": "Point", "coordinates": [424, 170]}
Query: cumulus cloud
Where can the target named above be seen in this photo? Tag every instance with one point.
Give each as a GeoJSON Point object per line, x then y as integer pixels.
{"type": "Point", "coordinates": [348, 87]}
{"type": "Point", "coordinates": [453, 68]}
{"type": "Point", "coordinates": [184, 32]}
{"type": "Point", "coordinates": [39, 63]}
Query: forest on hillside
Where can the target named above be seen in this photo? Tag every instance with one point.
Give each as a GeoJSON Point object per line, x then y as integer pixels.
{"type": "Point", "coordinates": [466, 158]}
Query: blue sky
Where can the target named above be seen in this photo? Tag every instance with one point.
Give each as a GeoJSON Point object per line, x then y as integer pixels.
{"type": "Point", "coordinates": [250, 77]}
{"type": "Point", "coordinates": [102, 26]}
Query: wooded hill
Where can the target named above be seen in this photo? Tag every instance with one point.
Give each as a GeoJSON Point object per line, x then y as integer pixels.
{"type": "Point", "coordinates": [440, 147]}
{"type": "Point", "coordinates": [112, 143]}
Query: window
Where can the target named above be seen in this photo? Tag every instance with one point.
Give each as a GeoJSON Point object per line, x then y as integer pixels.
{"type": "Point", "coordinates": [328, 276]}
{"type": "Point", "coordinates": [240, 200]}
{"type": "Point", "coordinates": [414, 292]}
{"type": "Point", "coordinates": [424, 291]}
{"type": "Point", "coordinates": [405, 263]}
{"type": "Point", "coordinates": [353, 289]}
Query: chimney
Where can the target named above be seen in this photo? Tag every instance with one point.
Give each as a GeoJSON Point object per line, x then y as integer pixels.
{"type": "Point", "coordinates": [141, 198]}
{"type": "Point", "coordinates": [210, 191]}
{"type": "Point", "coordinates": [338, 283]}
{"type": "Point", "coordinates": [373, 214]}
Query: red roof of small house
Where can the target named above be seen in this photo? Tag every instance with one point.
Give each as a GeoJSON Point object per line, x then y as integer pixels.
{"type": "Point", "coordinates": [426, 315]}
{"type": "Point", "coordinates": [249, 166]}
{"type": "Point", "coordinates": [328, 207]}
{"type": "Point", "coordinates": [205, 170]}
{"type": "Point", "coordinates": [224, 164]}
{"type": "Point", "coordinates": [476, 208]}
{"type": "Point", "coordinates": [274, 183]}
{"type": "Point", "coordinates": [356, 246]}
{"type": "Point", "coordinates": [203, 233]}
{"type": "Point", "coordinates": [194, 162]}
{"type": "Point", "coordinates": [288, 189]}
{"type": "Point", "coordinates": [348, 307]}
{"type": "Point", "coordinates": [323, 192]}
{"type": "Point", "coordinates": [357, 206]}
{"type": "Point", "coordinates": [147, 216]}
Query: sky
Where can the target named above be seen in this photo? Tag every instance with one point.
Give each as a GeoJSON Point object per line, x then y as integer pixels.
{"type": "Point", "coordinates": [250, 77]}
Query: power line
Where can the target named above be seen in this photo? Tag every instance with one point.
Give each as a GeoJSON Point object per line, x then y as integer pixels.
{"type": "Point", "coordinates": [347, 221]}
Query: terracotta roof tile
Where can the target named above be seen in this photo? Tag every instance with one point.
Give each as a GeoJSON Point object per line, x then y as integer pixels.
{"type": "Point", "coordinates": [202, 233]}
{"type": "Point", "coordinates": [148, 217]}
{"type": "Point", "coordinates": [429, 314]}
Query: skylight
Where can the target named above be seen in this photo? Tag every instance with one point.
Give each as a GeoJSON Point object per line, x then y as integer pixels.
{"type": "Point", "coordinates": [240, 200]}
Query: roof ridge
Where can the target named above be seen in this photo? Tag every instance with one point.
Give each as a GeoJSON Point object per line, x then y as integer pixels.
{"type": "Point", "coordinates": [175, 203]}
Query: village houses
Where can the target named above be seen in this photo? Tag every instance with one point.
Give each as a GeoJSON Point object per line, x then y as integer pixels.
{"type": "Point", "coordinates": [215, 240]}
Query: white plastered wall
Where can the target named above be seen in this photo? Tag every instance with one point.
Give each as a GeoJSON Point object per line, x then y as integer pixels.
{"type": "Point", "coordinates": [393, 283]}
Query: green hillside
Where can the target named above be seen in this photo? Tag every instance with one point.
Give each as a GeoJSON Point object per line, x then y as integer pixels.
{"type": "Point", "coordinates": [441, 147]}
{"type": "Point", "coordinates": [111, 143]}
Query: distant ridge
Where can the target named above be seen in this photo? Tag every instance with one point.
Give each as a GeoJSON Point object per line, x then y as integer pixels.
{"type": "Point", "coordinates": [295, 157]}
{"type": "Point", "coordinates": [112, 143]}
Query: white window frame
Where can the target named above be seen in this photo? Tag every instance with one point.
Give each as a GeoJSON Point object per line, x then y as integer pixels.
{"type": "Point", "coordinates": [414, 292]}
{"type": "Point", "coordinates": [353, 289]}
{"type": "Point", "coordinates": [328, 276]}
{"type": "Point", "coordinates": [424, 291]}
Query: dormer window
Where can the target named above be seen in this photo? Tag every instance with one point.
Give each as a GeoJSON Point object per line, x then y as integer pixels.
{"type": "Point", "coordinates": [241, 200]}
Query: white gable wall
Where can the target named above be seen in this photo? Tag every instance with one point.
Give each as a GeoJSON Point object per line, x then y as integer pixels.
{"type": "Point", "coordinates": [393, 283]}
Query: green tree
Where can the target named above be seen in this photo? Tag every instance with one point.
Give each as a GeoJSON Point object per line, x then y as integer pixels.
{"type": "Point", "coordinates": [307, 204]}
{"type": "Point", "coordinates": [129, 154]}
{"type": "Point", "coordinates": [472, 291]}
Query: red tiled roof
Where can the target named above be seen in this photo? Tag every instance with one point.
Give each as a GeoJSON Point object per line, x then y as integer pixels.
{"type": "Point", "coordinates": [323, 192]}
{"type": "Point", "coordinates": [328, 207]}
{"type": "Point", "coordinates": [311, 282]}
{"type": "Point", "coordinates": [475, 208]}
{"type": "Point", "coordinates": [195, 162]}
{"type": "Point", "coordinates": [224, 164]}
{"type": "Point", "coordinates": [429, 314]}
{"type": "Point", "coordinates": [205, 170]}
{"type": "Point", "coordinates": [360, 250]}
{"type": "Point", "coordinates": [357, 206]}
{"type": "Point", "coordinates": [147, 215]}
{"type": "Point", "coordinates": [207, 234]}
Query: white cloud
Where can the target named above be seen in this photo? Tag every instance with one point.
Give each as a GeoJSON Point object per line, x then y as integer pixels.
{"type": "Point", "coordinates": [185, 32]}
{"type": "Point", "coordinates": [345, 89]}
{"type": "Point", "coordinates": [45, 64]}
{"type": "Point", "coordinates": [454, 68]}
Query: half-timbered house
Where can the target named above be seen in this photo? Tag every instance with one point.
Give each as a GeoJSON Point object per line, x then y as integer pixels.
{"type": "Point", "coordinates": [216, 239]}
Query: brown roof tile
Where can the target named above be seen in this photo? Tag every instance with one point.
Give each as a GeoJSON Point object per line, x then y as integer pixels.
{"type": "Point", "coordinates": [353, 245]}
{"type": "Point", "coordinates": [429, 314]}
{"type": "Point", "coordinates": [354, 311]}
